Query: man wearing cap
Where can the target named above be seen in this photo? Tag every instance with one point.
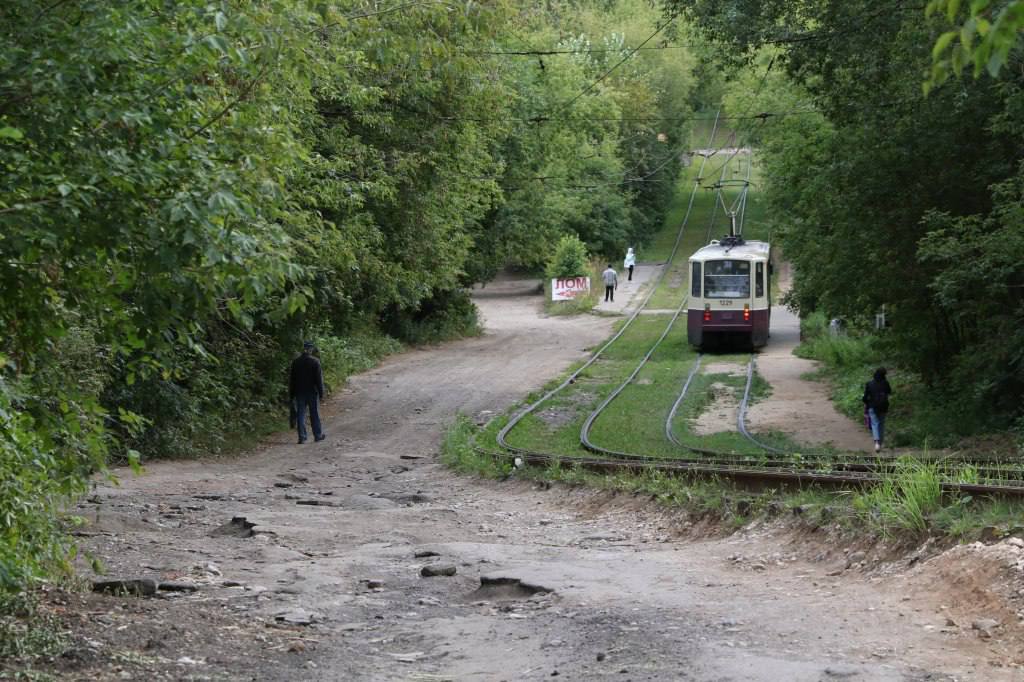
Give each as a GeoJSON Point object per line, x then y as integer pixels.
{"type": "Point", "coordinates": [306, 389]}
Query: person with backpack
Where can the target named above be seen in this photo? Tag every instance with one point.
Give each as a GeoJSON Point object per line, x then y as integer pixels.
{"type": "Point", "coordinates": [876, 401]}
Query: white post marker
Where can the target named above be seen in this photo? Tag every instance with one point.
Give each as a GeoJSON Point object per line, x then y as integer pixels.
{"type": "Point", "coordinates": [568, 288]}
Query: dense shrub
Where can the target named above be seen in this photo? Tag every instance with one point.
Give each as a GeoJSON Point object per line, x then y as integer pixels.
{"type": "Point", "coordinates": [569, 259]}
{"type": "Point", "coordinates": [342, 357]}
{"type": "Point", "coordinates": [445, 315]}
{"type": "Point", "coordinates": [191, 191]}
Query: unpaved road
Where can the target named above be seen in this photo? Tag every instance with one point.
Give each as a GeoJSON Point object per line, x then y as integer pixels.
{"type": "Point", "coordinates": [609, 587]}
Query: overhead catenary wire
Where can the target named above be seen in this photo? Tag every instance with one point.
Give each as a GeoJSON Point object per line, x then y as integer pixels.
{"type": "Point", "coordinates": [619, 63]}
{"type": "Point", "coordinates": [503, 433]}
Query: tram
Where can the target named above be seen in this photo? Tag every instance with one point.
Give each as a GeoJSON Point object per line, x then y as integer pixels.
{"type": "Point", "coordinates": [730, 292]}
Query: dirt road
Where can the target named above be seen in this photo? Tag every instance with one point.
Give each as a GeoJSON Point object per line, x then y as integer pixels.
{"type": "Point", "coordinates": [319, 576]}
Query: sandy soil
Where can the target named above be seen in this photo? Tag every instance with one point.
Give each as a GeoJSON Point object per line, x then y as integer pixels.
{"type": "Point", "coordinates": [721, 414]}
{"type": "Point", "coordinates": [550, 582]}
{"type": "Point", "coordinates": [797, 406]}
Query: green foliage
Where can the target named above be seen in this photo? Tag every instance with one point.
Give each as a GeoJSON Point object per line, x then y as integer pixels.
{"type": "Point", "coordinates": [598, 162]}
{"type": "Point", "coordinates": [341, 357]}
{"type": "Point", "coordinates": [26, 632]}
{"type": "Point", "coordinates": [569, 259]}
{"type": "Point", "coordinates": [906, 499]}
{"type": "Point", "coordinates": [47, 453]}
{"type": "Point", "coordinates": [881, 197]}
{"type": "Point", "coordinates": [984, 33]}
{"type": "Point", "coordinates": [446, 315]}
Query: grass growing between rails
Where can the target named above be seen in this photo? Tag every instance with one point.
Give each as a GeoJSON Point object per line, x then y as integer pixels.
{"type": "Point", "coordinates": [707, 221]}
{"type": "Point", "coordinates": [919, 415]}
{"type": "Point", "coordinates": [635, 421]}
{"type": "Point", "coordinates": [909, 503]}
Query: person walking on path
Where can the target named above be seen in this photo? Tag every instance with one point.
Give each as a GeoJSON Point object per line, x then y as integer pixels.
{"type": "Point", "coordinates": [306, 390]}
{"type": "Point", "coordinates": [876, 400]}
{"type": "Point", "coordinates": [630, 262]}
{"type": "Point", "coordinates": [611, 282]}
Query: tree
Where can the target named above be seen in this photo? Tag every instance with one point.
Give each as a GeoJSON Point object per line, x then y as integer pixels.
{"type": "Point", "coordinates": [881, 196]}
{"type": "Point", "coordinates": [986, 32]}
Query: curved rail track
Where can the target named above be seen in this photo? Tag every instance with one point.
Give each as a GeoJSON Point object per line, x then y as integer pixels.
{"type": "Point", "coordinates": [772, 464]}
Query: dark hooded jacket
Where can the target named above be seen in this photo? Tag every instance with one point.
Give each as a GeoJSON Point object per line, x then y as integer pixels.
{"type": "Point", "coordinates": [876, 393]}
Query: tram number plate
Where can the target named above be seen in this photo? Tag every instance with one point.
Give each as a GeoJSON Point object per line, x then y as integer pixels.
{"type": "Point", "coordinates": [726, 316]}
{"type": "Point", "coordinates": [725, 301]}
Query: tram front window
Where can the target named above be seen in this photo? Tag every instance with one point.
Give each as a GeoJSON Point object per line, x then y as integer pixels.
{"type": "Point", "coordinates": [727, 279]}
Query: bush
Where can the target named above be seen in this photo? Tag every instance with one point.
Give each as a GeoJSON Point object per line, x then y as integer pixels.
{"type": "Point", "coordinates": [570, 259]}
{"type": "Point", "coordinates": [445, 315]}
{"type": "Point", "coordinates": [36, 478]}
{"type": "Point", "coordinates": [341, 357]}
{"type": "Point", "coordinates": [212, 400]}
{"type": "Point", "coordinates": [580, 304]}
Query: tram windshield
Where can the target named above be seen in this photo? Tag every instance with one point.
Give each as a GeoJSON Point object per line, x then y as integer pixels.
{"type": "Point", "coordinates": [726, 279]}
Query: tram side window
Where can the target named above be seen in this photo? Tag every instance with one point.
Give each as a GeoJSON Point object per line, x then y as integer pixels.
{"type": "Point", "coordinates": [726, 279]}
{"type": "Point", "coordinates": [759, 280]}
{"type": "Point", "coordinates": [695, 288]}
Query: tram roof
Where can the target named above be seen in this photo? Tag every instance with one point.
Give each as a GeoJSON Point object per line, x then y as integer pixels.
{"type": "Point", "coordinates": [751, 249]}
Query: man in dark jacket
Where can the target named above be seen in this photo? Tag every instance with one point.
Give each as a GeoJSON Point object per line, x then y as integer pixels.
{"type": "Point", "coordinates": [306, 389]}
{"type": "Point", "coordinates": [876, 400]}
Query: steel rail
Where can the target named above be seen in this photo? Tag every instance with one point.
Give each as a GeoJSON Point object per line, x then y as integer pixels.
{"type": "Point", "coordinates": [503, 433]}
{"type": "Point", "coordinates": [638, 464]}
{"type": "Point", "coordinates": [836, 461]}
{"type": "Point", "coordinates": [712, 462]}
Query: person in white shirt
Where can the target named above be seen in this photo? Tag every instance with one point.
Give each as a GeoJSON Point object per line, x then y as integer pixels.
{"type": "Point", "coordinates": [630, 262]}
{"type": "Point", "coordinates": [611, 282]}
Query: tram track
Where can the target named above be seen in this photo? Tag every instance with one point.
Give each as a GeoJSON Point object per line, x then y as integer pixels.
{"type": "Point", "coordinates": [780, 466]}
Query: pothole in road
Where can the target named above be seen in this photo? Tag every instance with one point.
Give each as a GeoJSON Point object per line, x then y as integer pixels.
{"type": "Point", "coordinates": [505, 588]}
{"type": "Point", "coordinates": [238, 527]}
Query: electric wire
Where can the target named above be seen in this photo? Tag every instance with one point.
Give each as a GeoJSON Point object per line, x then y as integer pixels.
{"type": "Point", "coordinates": [519, 416]}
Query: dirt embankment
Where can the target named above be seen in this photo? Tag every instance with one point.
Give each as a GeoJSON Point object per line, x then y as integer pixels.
{"type": "Point", "coordinates": [308, 561]}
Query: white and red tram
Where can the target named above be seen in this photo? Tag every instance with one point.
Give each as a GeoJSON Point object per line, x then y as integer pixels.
{"type": "Point", "coordinates": [730, 292]}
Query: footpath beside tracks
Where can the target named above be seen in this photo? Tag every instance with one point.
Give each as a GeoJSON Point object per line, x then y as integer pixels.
{"type": "Point", "coordinates": [771, 466]}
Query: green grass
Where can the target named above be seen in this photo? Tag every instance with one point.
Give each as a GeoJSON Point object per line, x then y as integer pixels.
{"type": "Point", "coordinates": [706, 222]}
{"type": "Point", "coordinates": [919, 417]}
{"type": "Point", "coordinates": [909, 504]}
{"type": "Point", "coordinates": [459, 448]}
{"type": "Point", "coordinates": [910, 501]}
{"type": "Point", "coordinates": [28, 635]}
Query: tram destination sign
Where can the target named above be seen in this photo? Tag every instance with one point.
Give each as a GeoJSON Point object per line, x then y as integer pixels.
{"type": "Point", "coordinates": [568, 288]}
